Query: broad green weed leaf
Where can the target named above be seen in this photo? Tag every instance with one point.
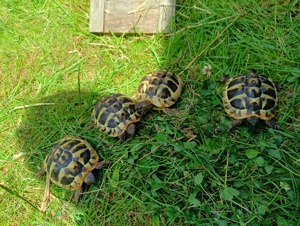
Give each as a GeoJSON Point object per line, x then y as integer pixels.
{"type": "Point", "coordinates": [177, 147]}
{"type": "Point", "coordinates": [114, 181]}
{"type": "Point", "coordinates": [269, 169]}
{"type": "Point", "coordinates": [202, 119]}
{"type": "Point", "coordinates": [161, 138]}
{"type": "Point", "coordinates": [274, 153]}
{"type": "Point", "coordinates": [147, 164]}
{"type": "Point", "coordinates": [262, 210]}
{"type": "Point", "coordinates": [228, 193]}
{"type": "Point", "coordinates": [281, 221]}
{"type": "Point", "coordinates": [251, 153]}
{"type": "Point", "coordinates": [259, 161]}
{"type": "Point", "coordinates": [136, 147]}
{"type": "Point", "coordinates": [291, 79]}
{"type": "Point", "coordinates": [199, 178]}
{"type": "Point", "coordinates": [190, 145]}
{"type": "Point", "coordinates": [155, 220]}
{"type": "Point", "coordinates": [156, 182]}
{"type": "Point", "coordinates": [192, 199]}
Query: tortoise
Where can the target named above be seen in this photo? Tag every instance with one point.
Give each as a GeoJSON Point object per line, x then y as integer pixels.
{"type": "Point", "coordinates": [251, 97]}
{"type": "Point", "coordinates": [116, 115]}
{"type": "Point", "coordinates": [159, 90]}
{"type": "Point", "coordinates": [70, 163]}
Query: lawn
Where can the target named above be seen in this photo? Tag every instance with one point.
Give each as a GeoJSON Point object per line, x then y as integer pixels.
{"type": "Point", "coordinates": [181, 169]}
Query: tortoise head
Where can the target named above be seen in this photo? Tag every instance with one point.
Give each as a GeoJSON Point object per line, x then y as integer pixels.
{"type": "Point", "coordinates": [142, 107]}
{"type": "Point", "coordinates": [89, 178]}
{"type": "Point", "coordinates": [253, 120]}
{"type": "Point", "coordinates": [131, 129]}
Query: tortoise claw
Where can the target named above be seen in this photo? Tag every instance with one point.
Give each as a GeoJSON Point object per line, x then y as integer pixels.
{"type": "Point", "coordinates": [272, 124]}
{"type": "Point", "coordinates": [103, 164]}
{"type": "Point", "coordinates": [234, 124]}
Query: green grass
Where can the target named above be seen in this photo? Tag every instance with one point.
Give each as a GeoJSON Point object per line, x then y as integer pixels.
{"type": "Point", "coordinates": [178, 169]}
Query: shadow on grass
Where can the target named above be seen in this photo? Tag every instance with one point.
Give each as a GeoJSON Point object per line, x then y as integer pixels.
{"type": "Point", "coordinates": [53, 117]}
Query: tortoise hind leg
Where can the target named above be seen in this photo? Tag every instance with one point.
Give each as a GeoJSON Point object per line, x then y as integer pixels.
{"type": "Point", "coordinates": [272, 124]}
{"type": "Point", "coordinates": [46, 194]}
{"type": "Point", "coordinates": [234, 124]}
{"type": "Point", "coordinates": [123, 137]}
{"type": "Point", "coordinates": [78, 194]}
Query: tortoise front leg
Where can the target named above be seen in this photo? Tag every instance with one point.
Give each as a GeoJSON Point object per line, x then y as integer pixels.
{"type": "Point", "coordinates": [234, 124]}
{"type": "Point", "coordinates": [170, 111]}
{"type": "Point", "coordinates": [102, 164]}
{"type": "Point", "coordinates": [272, 124]}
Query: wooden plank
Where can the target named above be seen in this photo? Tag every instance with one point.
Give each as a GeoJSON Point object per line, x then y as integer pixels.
{"type": "Point", "coordinates": [96, 15]}
{"type": "Point", "coordinates": [166, 11]}
{"type": "Point", "coordinates": [128, 16]}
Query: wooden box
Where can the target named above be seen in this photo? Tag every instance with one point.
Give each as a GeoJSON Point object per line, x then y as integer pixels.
{"type": "Point", "coordinates": [129, 16]}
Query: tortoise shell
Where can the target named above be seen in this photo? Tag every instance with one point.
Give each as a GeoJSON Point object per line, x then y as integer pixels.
{"type": "Point", "coordinates": [161, 88]}
{"type": "Point", "coordinates": [114, 113]}
{"type": "Point", "coordinates": [250, 95]}
{"type": "Point", "coordinates": [69, 161]}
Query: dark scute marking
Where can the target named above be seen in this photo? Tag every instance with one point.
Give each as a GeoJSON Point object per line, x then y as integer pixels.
{"type": "Point", "coordinates": [85, 156]}
{"type": "Point", "coordinates": [253, 92]}
{"type": "Point", "coordinates": [115, 107]}
{"type": "Point", "coordinates": [253, 82]}
{"type": "Point", "coordinates": [152, 91]}
{"type": "Point", "coordinates": [253, 106]}
{"type": "Point", "coordinates": [172, 85]}
{"type": "Point", "coordinates": [165, 93]}
{"type": "Point", "coordinates": [271, 93]}
{"type": "Point", "coordinates": [71, 144]}
{"type": "Point", "coordinates": [264, 79]}
{"type": "Point", "coordinates": [131, 109]}
{"type": "Point", "coordinates": [173, 77]}
{"type": "Point", "coordinates": [75, 170]}
{"type": "Point", "coordinates": [236, 80]}
{"type": "Point", "coordinates": [161, 74]}
{"type": "Point", "coordinates": [112, 123]}
{"type": "Point", "coordinates": [79, 147]}
{"type": "Point", "coordinates": [268, 82]}
{"type": "Point", "coordinates": [61, 143]}
{"type": "Point", "coordinates": [109, 102]}
{"type": "Point", "coordinates": [156, 81]}
{"type": "Point", "coordinates": [141, 88]}
{"type": "Point", "coordinates": [103, 117]}
{"type": "Point", "coordinates": [235, 92]}
{"type": "Point", "coordinates": [123, 116]}
{"type": "Point", "coordinates": [65, 159]}
{"type": "Point", "coordinates": [56, 152]}
{"type": "Point", "coordinates": [270, 104]}
{"type": "Point", "coordinates": [55, 172]}
{"type": "Point", "coordinates": [98, 109]}
{"type": "Point", "coordinates": [237, 103]}
{"type": "Point", "coordinates": [66, 180]}
{"type": "Point", "coordinates": [124, 100]}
